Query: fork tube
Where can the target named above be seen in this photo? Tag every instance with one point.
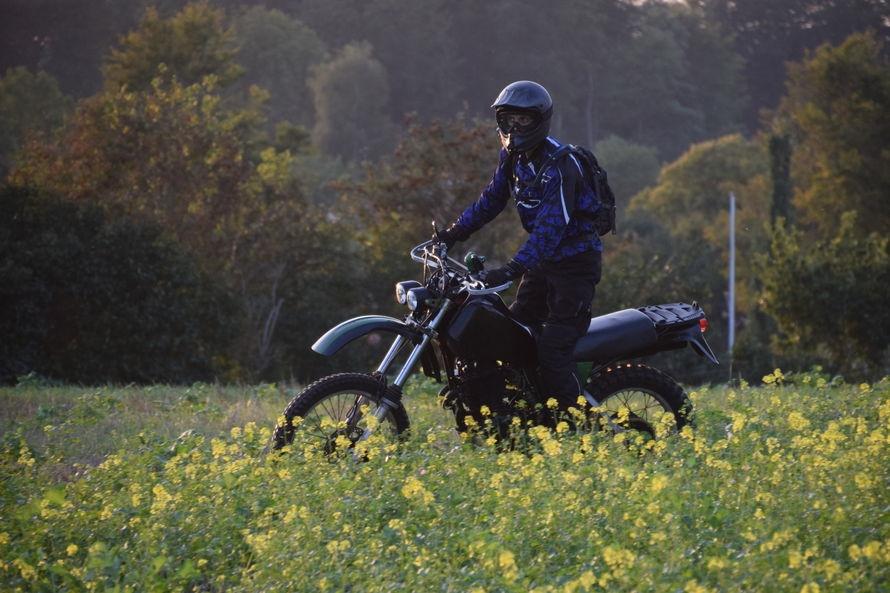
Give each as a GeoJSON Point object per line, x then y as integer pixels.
{"type": "Point", "coordinates": [415, 354]}
{"type": "Point", "coordinates": [391, 354]}
{"type": "Point", "coordinates": [384, 407]}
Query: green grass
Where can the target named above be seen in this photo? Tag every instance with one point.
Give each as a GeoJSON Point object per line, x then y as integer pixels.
{"type": "Point", "coordinates": [780, 488]}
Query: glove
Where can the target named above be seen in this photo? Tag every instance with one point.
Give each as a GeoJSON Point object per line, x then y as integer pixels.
{"type": "Point", "coordinates": [451, 235]}
{"type": "Point", "coordinates": [504, 274]}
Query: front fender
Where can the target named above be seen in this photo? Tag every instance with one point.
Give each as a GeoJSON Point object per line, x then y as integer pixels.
{"type": "Point", "coordinates": [352, 329]}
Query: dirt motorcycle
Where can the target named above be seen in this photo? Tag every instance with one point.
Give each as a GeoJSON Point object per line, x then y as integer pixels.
{"type": "Point", "coordinates": [460, 331]}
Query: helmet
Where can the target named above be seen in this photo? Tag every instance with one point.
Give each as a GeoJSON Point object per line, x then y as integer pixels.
{"type": "Point", "coordinates": [523, 97]}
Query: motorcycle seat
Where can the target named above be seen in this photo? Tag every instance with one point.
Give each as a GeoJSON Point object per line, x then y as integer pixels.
{"type": "Point", "coordinates": [616, 335]}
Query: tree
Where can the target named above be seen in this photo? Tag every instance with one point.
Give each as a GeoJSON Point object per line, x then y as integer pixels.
{"type": "Point", "coordinates": [351, 94]}
{"type": "Point", "coordinates": [84, 298]}
{"type": "Point", "coordinates": [415, 41]}
{"type": "Point", "coordinates": [171, 155]}
{"type": "Point", "coordinates": [829, 297]}
{"type": "Point", "coordinates": [277, 53]}
{"type": "Point", "coordinates": [192, 44]}
{"type": "Point", "coordinates": [769, 33]}
{"type": "Point", "coordinates": [672, 244]}
{"type": "Point", "coordinates": [631, 167]}
{"type": "Point", "coordinates": [690, 198]}
{"type": "Point", "coordinates": [30, 104]}
{"type": "Point", "coordinates": [837, 105]}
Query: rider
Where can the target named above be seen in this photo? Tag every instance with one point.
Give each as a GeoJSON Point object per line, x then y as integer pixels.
{"type": "Point", "coordinates": [560, 263]}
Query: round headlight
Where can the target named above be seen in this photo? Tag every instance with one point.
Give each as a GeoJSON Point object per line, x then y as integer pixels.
{"type": "Point", "coordinates": [413, 301]}
{"type": "Point", "coordinates": [402, 289]}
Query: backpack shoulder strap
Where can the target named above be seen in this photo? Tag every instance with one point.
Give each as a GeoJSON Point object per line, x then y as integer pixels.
{"type": "Point", "coordinates": [553, 158]}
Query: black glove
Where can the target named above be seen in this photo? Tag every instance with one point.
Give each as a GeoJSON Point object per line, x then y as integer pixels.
{"type": "Point", "coordinates": [502, 275]}
{"type": "Point", "coordinates": [451, 235]}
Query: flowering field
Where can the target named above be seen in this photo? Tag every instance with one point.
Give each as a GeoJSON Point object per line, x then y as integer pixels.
{"type": "Point", "coordinates": [779, 488]}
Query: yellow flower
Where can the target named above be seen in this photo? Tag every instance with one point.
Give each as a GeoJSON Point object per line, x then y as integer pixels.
{"type": "Point", "coordinates": [552, 403]}
{"type": "Point", "coordinates": [616, 557]}
{"type": "Point", "coordinates": [810, 588]}
{"type": "Point", "coordinates": [693, 587]}
{"type": "Point", "coordinates": [658, 484]}
{"type": "Point", "coordinates": [775, 377]}
{"type": "Point", "coordinates": [871, 550]}
{"type": "Point", "coordinates": [830, 568]}
{"type": "Point", "coordinates": [71, 550]}
{"type": "Point", "coordinates": [162, 498]}
{"type": "Point", "coordinates": [552, 447]}
{"type": "Point", "coordinates": [797, 421]}
{"type": "Point", "coordinates": [27, 571]}
{"type": "Point", "coordinates": [414, 489]}
{"type": "Point", "coordinates": [507, 563]}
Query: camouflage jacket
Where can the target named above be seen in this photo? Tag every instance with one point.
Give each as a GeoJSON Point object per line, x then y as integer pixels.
{"type": "Point", "coordinates": [557, 214]}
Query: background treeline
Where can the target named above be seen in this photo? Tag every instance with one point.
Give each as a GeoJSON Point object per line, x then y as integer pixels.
{"type": "Point", "coordinates": [197, 191]}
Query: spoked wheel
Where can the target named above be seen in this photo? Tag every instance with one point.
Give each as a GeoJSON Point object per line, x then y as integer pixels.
{"type": "Point", "coordinates": [334, 412]}
{"type": "Point", "coordinates": [641, 398]}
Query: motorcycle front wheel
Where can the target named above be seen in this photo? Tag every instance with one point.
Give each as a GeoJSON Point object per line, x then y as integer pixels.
{"type": "Point", "coordinates": [335, 406]}
{"type": "Point", "coordinates": [638, 397]}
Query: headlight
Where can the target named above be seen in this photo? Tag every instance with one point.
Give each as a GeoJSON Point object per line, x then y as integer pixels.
{"type": "Point", "coordinates": [402, 289]}
{"type": "Point", "coordinates": [417, 297]}
{"type": "Point", "coordinates": [413, 301]}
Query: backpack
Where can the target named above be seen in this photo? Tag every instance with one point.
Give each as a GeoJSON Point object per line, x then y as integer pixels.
{"type": "Point", "coordinates": [596, 178]}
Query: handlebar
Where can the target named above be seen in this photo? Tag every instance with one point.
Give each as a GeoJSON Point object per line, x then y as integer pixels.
{"type": "Point", "coordinates": [433, 254]}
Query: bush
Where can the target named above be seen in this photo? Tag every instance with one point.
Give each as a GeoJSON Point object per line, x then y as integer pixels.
{"type": "Point", "coordinates": [87, 299]}
{"type": "Point", "coordinates": [828, 297]}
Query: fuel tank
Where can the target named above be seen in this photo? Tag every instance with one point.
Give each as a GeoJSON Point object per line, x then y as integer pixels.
{"type": "Point", "coordinates": [482, 329]}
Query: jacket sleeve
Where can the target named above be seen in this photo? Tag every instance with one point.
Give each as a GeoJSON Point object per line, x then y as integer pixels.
{"type": "Point", "coordinates": [557, 202]}
{"type": "Point", "coordinates": [492, 201]}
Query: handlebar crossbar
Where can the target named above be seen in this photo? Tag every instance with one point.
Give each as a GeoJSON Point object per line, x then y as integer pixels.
{"type": "Point", "coordinates": [434, 254]}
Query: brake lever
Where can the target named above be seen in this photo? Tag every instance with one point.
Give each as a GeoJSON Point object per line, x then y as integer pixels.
{"type": "Point", "coordinates": [477, 286]}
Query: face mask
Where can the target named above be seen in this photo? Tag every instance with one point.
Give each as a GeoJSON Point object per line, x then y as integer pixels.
{"type": "Point", "coordinates": [513, 125]}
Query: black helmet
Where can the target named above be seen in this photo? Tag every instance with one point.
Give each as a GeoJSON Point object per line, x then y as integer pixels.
{"type": "Point", "coordinates": [524, 97]}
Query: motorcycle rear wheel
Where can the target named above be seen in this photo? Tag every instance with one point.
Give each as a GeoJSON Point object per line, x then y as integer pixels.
{"type": "Point", "coordinates": [324, 408]}
{"type": "Point", "coordinates": [645, 392]}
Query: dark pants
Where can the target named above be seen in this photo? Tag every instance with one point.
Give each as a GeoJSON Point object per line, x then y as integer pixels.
{"type": "Point", "coordinates": [557, 295]}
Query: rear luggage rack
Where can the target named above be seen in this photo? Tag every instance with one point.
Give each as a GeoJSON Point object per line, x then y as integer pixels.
{"type": "Point", "coordinates": [673, 314]}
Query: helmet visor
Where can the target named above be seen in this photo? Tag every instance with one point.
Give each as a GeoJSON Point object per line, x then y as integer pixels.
{"type": "Point", "coordinates": [517, 121]}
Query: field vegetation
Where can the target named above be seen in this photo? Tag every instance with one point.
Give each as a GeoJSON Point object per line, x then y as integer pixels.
{"type": "Point", "coordinates": [776, 488]}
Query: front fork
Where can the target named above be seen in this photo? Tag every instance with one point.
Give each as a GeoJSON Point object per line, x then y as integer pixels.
{"type": "Point", "coordinates": [386, 404]}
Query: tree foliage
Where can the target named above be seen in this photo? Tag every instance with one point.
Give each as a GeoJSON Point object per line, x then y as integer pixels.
{"type": "Point", "coordinates": [691, 202]}
{"type": "Point", "coordinates": [89, 299]}
{"type": "Point", "coordinates": [829, 297]}
{"type": "Point", "coordinates": [190, 45]}
{"type": "Point", "coordinates": [277, 52]}
{"type": "Point", "coordinates": [31, 104]}
{"type": "Point", "coordinates": [631, 167]}
{"type": "Point", "coordinates": [766, 34]}
{"type": "Point", "coordinates": [351, 94]}
{"type": "Point", "coordinates": [838, 103]}
{"type": "Point", "coordinates": [170, 154]}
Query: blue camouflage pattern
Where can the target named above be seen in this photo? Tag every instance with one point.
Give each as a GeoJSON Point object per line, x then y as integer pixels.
{"type": "Point", "coordinates": [558, 214]}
